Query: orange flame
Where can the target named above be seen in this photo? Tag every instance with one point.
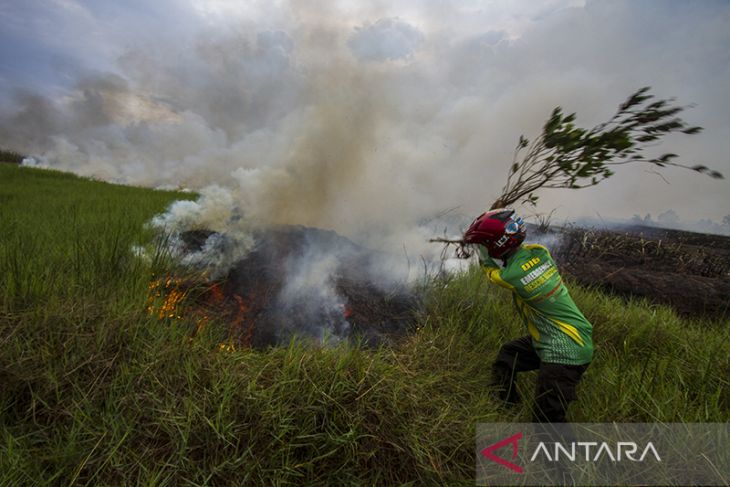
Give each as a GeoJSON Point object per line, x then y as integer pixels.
{"type": "Point", "coordinates": [241, 318]}
{"type": "Point", "coordinates": [168, 290]}
{"type": "Point", "coordinates": [216, 293]}
{"type": "Point", "coordinates": [167, 300]}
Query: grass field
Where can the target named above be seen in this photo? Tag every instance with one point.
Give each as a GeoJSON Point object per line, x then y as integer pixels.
{"type": "Point", "coordinates": [97, 392]}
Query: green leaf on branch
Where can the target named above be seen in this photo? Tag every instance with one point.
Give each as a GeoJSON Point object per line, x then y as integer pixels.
{"type": "Point", "coordinates": [569, 156]}
{"type": "Point", "coordinates": [706, 170]}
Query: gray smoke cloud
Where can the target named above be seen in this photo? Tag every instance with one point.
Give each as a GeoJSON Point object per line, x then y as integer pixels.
{"type": "Point", "coordinates": [310, 292]}
{"type": "Point", "coordinates": [387, 39]}
{"type": "Point", "coordinates": [215, 211]}
{"type": "Point", "coordinates": [367, 120]}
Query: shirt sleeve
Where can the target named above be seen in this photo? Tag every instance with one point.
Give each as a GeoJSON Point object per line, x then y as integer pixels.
{"type": "Point", "coordinates": [492, 269]}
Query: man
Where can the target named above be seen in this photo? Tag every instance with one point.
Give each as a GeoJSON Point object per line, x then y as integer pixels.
{"type": "Point", "coordinates": [559, 343]}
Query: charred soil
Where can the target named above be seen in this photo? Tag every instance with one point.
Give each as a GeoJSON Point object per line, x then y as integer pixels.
{"type": "Point", "coordinates": [686, 270]}
{"type": "Point", "coordinates": [306, 282]}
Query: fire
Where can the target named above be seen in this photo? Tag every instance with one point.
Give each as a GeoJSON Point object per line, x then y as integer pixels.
{"type": "Point", "coordinates": [172, 298]}
{"type": "Point", "coordinates": [216, 294]}
{"type": "Point", "coordinates": [169, 291]}
{"type": "Point", "coordinates": [241, 320]}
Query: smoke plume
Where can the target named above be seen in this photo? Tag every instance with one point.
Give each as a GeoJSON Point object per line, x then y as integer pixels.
{"type": "Point", "coordinates": [365, 120]}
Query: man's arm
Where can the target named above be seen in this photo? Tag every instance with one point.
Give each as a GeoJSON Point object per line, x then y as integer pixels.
{"type": "Point", "coordinates": [491, 268]}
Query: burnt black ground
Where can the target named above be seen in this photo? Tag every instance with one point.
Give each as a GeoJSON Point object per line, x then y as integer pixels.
{"type": "Point", "coordinates": [688, 271]}
{"type": "Point", "coordinates": [359, 302]}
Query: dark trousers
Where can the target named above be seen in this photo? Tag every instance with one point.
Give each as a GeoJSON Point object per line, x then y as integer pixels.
{"type": "Point", "coordinates": [556, 383]}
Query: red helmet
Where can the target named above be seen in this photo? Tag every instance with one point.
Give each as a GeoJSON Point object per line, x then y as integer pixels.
{"type": "Point", "coordinates": [500, 231]}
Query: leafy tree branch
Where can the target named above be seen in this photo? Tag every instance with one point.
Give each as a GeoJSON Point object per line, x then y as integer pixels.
{"type": "Point", "coordinates": [568, 156]}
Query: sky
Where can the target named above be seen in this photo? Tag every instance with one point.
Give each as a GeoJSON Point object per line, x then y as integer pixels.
{"type": "Point", "coordinates": [363, 117]}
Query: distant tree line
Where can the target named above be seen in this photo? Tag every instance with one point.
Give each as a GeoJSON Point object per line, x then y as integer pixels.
{"type": "Point", "coordinates": [670, 219]}
{"type": "Point", "coordinates": [11, 157]}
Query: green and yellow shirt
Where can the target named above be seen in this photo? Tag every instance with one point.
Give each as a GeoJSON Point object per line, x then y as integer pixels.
{"type": "Point", "coordinates": [560, 333]}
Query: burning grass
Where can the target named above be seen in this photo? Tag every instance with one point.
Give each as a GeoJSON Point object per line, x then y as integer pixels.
{"type": "Point", "coordinates": [199, 304]}
{"type": "Point", "coordinates": [296, 282]}
{"type": "Point", "coordinates": [96, 392]}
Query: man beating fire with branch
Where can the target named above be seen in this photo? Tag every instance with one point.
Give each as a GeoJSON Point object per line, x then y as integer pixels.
{"type": "Point", "coordinates": [559, 343]}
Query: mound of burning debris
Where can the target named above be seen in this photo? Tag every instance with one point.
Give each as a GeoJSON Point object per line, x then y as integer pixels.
{"type": "Point", "coordinates": [688, 271]}
{"type": "Point", "coordinates": [296, 281]}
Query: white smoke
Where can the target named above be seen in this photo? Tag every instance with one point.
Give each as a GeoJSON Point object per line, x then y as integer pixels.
{"type": "Point", "coordinates": [552, 241]}
{"type": "Point", "coordinates": [309, 289]}
{"type": "Point", "coordinates": [387, 39]}
{"type": "Point", "coordinates": [215, 211]}
{"type": "Point", "coordinates": [367, 119]}
{"type": "Point", "coordinates": [30, 162]}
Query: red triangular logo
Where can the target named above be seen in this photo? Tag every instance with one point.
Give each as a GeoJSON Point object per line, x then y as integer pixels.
{"type": "Point", "coordinates": [513, 440]}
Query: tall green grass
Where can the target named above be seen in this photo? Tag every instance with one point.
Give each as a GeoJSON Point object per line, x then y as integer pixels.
{"type": "Point", "coordinates": [63, 238]}
{"type": "Point", "coordinates": [94, 391]}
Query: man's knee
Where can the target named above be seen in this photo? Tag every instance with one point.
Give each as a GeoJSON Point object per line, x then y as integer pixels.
{"type": "Point", "coordinates": [514, 356]}
{"type": "Point", "coordinates": [505, 357]}
{"type": "Point", "coordinates": [518, 355]}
